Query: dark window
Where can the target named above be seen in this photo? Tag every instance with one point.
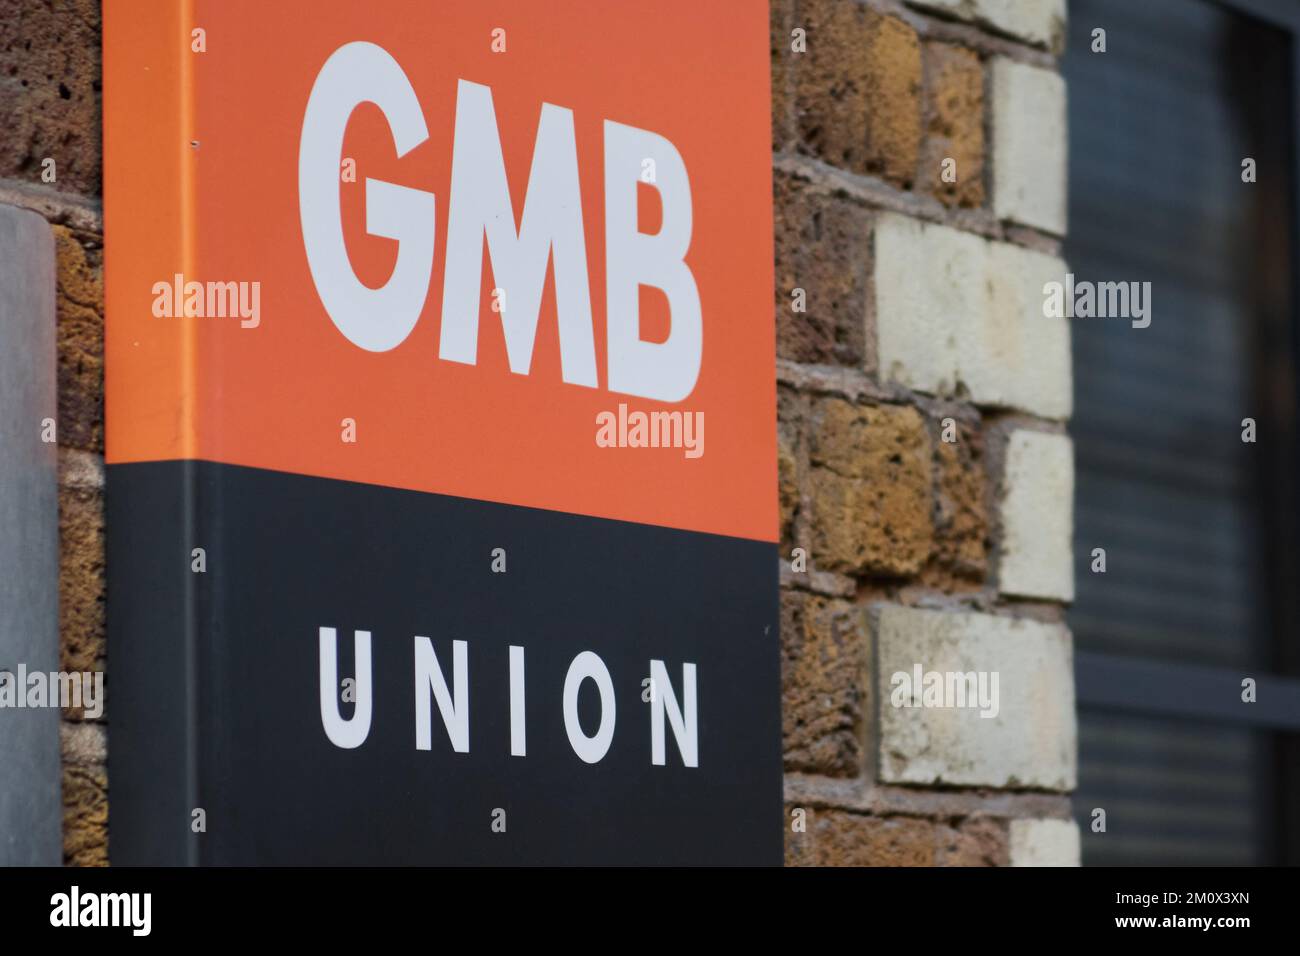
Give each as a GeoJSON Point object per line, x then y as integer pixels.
{"type": "Point", "coordinates": [1198, 526]}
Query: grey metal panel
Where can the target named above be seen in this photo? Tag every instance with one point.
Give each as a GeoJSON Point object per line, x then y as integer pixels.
{"type": "Point", "coordinates": [31, 810]}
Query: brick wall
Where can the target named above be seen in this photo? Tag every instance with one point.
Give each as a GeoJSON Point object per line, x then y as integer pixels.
{"type": "Point", "coordinates": [920, 301]}
{"type": "Point", "coordinates": [921, 320]}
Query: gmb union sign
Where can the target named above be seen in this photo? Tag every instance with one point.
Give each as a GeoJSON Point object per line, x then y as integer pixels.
{"type": "Point", "coordinates": [419, 317]}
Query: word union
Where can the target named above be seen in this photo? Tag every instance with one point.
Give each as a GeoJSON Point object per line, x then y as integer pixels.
{"type": "Point", "coordinates": [454, 708]}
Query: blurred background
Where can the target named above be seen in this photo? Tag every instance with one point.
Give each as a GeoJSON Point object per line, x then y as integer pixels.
{"type": "Point", "coordinates": [1199, 526]}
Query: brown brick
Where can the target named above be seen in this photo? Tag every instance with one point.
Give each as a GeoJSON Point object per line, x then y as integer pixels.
{"type": "Point", "coordinates": [871, 493]}
{"type": "Point", "coordinates": [839, 838]}
{"type": "Point", "coordinates": [81, 342]}
{"type": "Point", "coordinates": [787, 469]}
{"type": "Point", "coordinates": [824, 681]}
{"type": "Point", "coordinates": [961, 515]}
{"type": "Point", "coordinates": [85, 816]}
{"type": "Point", "coordinates": [823, 246]}
{"type": "Point", "coordinates": [858, 90]}
{"type": "Point", "coordinates": [954, 124]}
{"type": "Point", "coordinates": [790, 473]}
{"type": "Point", "coordinates": [81, 579]}
{"type": "Point", "coordinates": [976, 842]}
{"type": "Point", "coordinates": [782, 23]}
{"type": "Point", "coordinates": [50, 91]}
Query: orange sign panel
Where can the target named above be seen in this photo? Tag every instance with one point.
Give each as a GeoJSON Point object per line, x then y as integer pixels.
{"type": "Point", "coordinates": [416, 245]}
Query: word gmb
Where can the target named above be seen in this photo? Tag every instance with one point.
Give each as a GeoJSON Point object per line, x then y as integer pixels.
{"type": "Point", "coordinates": [550, 230]}
{"type": "Point", "coordinates": [453, 701]}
